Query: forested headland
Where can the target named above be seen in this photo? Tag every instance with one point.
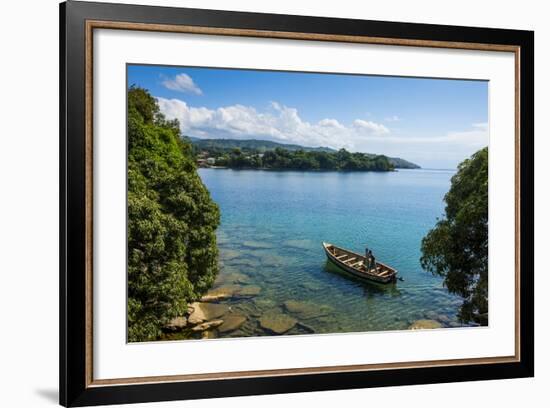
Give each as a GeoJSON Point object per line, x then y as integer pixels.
{"type": "Point", "coordinates": [265, 154]}
{"type": "Point", "coordinates": [283, 159]}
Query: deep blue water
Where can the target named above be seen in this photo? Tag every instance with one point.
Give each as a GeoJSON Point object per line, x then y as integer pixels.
{"type": "Point", "coordinates": [273, 224]}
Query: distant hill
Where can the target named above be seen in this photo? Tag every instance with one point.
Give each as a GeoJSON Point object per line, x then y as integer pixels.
{"type": "Point", "coordinates": [252, 144]}
{"type": "Point", "coordinates": [399, 163]}
{"type": "Point", "coordinates": [265, 145]}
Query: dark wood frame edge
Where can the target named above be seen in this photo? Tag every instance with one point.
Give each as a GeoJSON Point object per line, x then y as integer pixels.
{"type": "Point", "coordinates": [76, 383]}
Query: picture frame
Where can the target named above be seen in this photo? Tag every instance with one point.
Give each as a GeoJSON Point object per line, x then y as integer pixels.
{"type": "Point", "coordinates": [78, 20]}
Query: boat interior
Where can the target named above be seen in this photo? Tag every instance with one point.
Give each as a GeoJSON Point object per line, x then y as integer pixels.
{"type": "Point", "coordinates": [358, 262]}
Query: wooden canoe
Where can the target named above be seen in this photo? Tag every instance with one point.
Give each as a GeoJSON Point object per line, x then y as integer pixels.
{"type": "Point", "coordinates": [355, 264]}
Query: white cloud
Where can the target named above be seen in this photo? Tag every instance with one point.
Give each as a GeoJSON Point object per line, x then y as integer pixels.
{"type": "Point", "coordinates": [284, 124]}
{"type": "Point", "coordinates": [280, 123]}
{"type": "Point", "coordinates": [182, 83]}
{"type": "Point", "coordinates": [374, 128]}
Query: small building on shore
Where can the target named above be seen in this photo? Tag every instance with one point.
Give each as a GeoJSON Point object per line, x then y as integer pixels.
{"type": "Point", "coordinates": [206, 161]}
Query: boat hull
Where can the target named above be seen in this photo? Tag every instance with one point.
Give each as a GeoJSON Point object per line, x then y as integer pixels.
{"type": "Point", "coordinates": [389, 278]}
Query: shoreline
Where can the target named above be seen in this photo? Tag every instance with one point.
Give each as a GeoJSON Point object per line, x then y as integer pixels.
{"type": "Point", "coordinates": [303, 170]}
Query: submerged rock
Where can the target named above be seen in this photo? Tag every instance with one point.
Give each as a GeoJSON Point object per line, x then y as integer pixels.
{"type": "Point", "coordinates": [312, 286]}
{"type": "Point", "coordinates": [257, 244]}
{"type": "Point", "coordinates": [299, 243]}
{"type": "Point", "coordinates": [249, 291]}
{"type": "Point", "coordinates": [425, 324]}
{"type": "Point", "coordinates": [443, 319]}
{"type": "Point", "coordinates": [264, 303]}
{"type": "Point", "coordinates": [228, 254]}
{"type": "Point", "coordinates": [307, 328]}
{"type": "Point", "coordinates": [253, 263]}
{"type": "Point", "coordinates": [231, 322]}
{"type": "Point", "coordinates": [306, 310]}
{"type": "Point", "coordinates": [176, 324]}
{"type": "Point", "coordinates": [277, 322]}
{"type": "Point", "coordinates": [233, 277]}
{"type": "Point", "coordinates": [207, 325]}
{"type": "Point", "coordinates": [269, 259]}
{"type": "Point", "coordinates": [222, 237]}
{"type": "Point", "coordinates": [431, 315]}
{"type": "Point", "coordinates": [201, 312]}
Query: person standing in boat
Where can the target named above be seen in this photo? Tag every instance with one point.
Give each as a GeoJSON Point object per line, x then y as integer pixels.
{"type": "Point", "coordinates": [369, 258]}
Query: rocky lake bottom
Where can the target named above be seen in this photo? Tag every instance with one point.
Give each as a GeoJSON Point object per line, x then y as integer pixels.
{"type": "Point", "coordinates": [274, 278]}
{"type": "Point", "coordinates": [252, 296]}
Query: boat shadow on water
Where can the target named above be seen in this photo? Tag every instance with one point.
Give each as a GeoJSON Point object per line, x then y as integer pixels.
{"type": "Point", "coordinates": [370, 288]}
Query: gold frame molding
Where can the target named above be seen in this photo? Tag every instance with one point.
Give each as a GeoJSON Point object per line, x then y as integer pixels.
{"type": "Point", "coordinates": [116, 25]}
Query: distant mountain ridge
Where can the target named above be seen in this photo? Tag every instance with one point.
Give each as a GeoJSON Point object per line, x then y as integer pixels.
{"type": "Point", "coordinates": [255, 144]}
{"type": "Point", "coordinates": [265, 145]}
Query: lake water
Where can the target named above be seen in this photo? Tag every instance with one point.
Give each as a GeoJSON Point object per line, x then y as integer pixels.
{"type": "Point", "coordinates": [273, 224]}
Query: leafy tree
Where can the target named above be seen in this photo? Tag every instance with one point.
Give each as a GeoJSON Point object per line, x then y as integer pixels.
{"type": "Point", "coordinates": [457, 247]}
{"type": "Point", "coordinates": [283, 159]}
{"type": "Point", "coordinates": [172, 253]}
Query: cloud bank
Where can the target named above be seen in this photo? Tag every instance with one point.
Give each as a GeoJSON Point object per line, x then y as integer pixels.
{"type": "Point", "coordinates": [182, 83]}
{"type": "Point", "coordinates": [284, 124]}
{"type": "Point", "coordinates": [278, 123]}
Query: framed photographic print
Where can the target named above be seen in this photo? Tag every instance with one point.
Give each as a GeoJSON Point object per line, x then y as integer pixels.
{"type": "Point", "coordinates": [256, 203]}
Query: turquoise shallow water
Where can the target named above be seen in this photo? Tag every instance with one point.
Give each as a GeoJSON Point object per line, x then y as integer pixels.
{"type": "Point", "coordinates": [273, 224]}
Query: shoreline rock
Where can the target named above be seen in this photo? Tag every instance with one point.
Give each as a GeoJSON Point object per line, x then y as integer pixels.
{"type": "Point", "coordinates": [425, 324]}
{"type": "Point", "coordinates": [207, 325]}
{"type": "Point", "coordinates": [227, 292]}
{"type": "Point", "coordinates": [202, 312]}
{"type": "Point", "coordinates": [220, 293]}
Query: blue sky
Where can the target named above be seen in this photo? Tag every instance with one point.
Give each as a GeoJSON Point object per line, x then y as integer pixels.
{"type": "Point", "coordinates": [433, 122]}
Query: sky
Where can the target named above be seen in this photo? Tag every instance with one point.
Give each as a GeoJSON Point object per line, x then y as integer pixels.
{"type": "Point", "coordinates": [435, 123]}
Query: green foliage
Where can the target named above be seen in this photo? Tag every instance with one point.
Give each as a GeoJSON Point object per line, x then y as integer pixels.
{"type": "Point", "coordinates": [457, 247]}
{"type": "Point", "coordinates": [259, 146]}
{"type": "Point", "coordinates": [221, 147]}
{"type": "Point", "coordinates": [172, 253]}
{"type": "Point", "coordinates": [283, 159]}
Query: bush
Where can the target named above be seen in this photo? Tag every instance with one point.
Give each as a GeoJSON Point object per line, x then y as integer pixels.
{"type": "Point", "coordinates": [457, 247]}
{"type": "Point", "coordinates": [172, 252]}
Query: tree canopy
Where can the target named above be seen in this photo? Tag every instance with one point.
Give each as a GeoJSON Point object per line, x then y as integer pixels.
{"type": "Point", "coordinates": [172, 252]}
{"type": "Point", "coordinates": [283, 159]}
{"type": "Point", "coordinates": [457, 247]}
